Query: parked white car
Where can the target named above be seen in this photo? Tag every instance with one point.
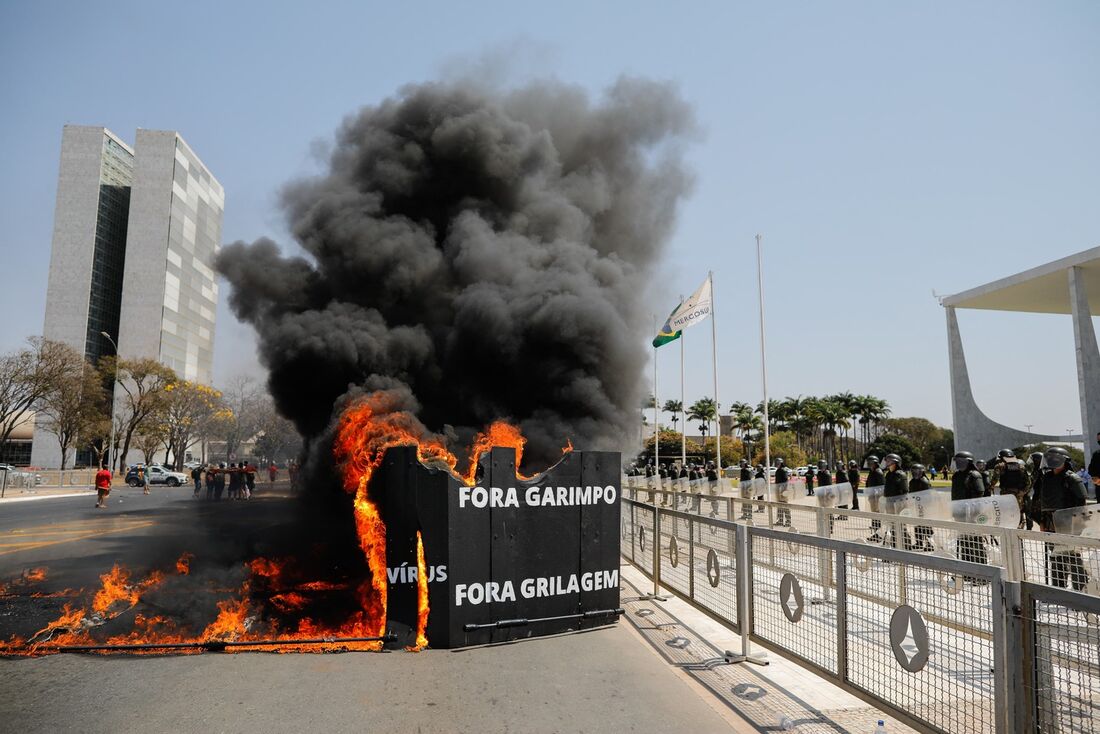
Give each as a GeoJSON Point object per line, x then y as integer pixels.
{"type": "Point", "coordinates": [159, 475]}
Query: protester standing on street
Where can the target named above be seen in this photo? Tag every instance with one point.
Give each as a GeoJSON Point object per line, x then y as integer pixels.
{"type": "Point", "coordinates": [102, 487]}
{"type": "Point", "coordinates": [273, 472]}
{"type": "Point", "coordinates": [143, 480]}
{"type": "Point", "coordinates": [967, 484]}
{"type": "Point", "coordinates": [1060, 488]}
{"type": "Point", "coordinates": [918, 483]}
{"type": "Point", "coordinates": [211, 474]}
{"type": "Point", "coordinates": [250, 479]}
{"type": "Point", "coordinates": [875, 478]}
{"type": "Point", "coordinates": [196, 477]}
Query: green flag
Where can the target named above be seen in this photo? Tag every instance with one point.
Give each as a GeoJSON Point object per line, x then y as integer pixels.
{"type": "Point", "coordinates": [667, 334]}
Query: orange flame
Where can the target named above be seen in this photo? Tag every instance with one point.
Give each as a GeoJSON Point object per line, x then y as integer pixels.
{"type": "Point", "coordinates": [421, 596]}
{"type": "Point", "coordinates": [35, 575]}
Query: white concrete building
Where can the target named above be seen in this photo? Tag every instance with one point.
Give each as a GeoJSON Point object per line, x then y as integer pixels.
{"type": "Point", "coordinates": [136, 231]}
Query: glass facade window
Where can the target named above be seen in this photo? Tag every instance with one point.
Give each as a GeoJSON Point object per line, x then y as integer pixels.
{"type": "Point", "coordinates": [109, 254]}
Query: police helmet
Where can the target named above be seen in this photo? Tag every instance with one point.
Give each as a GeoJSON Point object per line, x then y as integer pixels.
{"type": "Point", "coordinates": [917, 470]}
{"type": "Point", "coordinates": [892, 459]}
{"type": "Point", "coordinates": [744, 462]}
{"type": "Point", "coordinates": [779, 462]}
{"type": "Point", "coordinates": [852, 464]}
{"type": "Point", "coordinates": [1036, 457]}
{"type": "Point", "coordinates": [963, 459]}
{"type": "Point", "coordinates": [822, 464]}
{"type": "Point", "coordinates": [979, 465]}
{"type": "Point", "coordinates": [1006, 454]}
{"type": "Point", "coordinates": [1056, 457]}
{"type": "Point", "coordinates": [872, 459]}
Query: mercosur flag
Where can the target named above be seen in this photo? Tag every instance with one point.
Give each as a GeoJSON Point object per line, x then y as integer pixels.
{"type": "Point", "coordinates": [688, 313]}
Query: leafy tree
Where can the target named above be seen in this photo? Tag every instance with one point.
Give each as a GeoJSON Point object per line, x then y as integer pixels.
{"type": "Point", "coordinates": [277, 439]}
{"type": "Point", "coordinates": [188, 410]}
{"type": "Point", "coordinates": [75, 400]}
{"type": "Point", "coordinates": [27, 375]}
{"type": "Point", "coordinates": [704, 410]}
{"type": "Point", "coordinates": [141, 396]}
{"type": "Point", "coordinates": [241, 421]}
{"type": "Point", "coordinates": [670, 445]}
{"type": "Point", "coordinates": [891, 443]}
{"type": "Point", "coordinates": [673, 407]}
{"type": "Point", "coordinates": [784, 445]}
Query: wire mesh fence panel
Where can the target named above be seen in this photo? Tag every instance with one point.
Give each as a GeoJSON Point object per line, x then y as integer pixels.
{"type": "Point", "coordinates": [790, 605]}
{"type": "Point", "coordinates": [1060, 560]}
{"type": "Point", "coordinates": [674, 554]}
{"type": "Point", "coordinates": [644, 538]}
{"type": "Point", "coordinates": [1066, 678]}
{"type": "Point", "coordinates": [714, 566]}
{"type": "Point", "coordinates": [919, 648]}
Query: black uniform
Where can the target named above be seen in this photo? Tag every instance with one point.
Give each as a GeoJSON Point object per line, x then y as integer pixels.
{"type": "Point", "coordinates": [1094, 470]}
{"type": "Point", "coordinates": [875, 478]}
{"type": "Point", "coordinates": [1058, 491]}
{"type": "Point", "coordinates": [1011, 475]}
{"type": "Point", "coordinates": [809, 482]}
{"type": "Point", "coordinates": [745, 476]}
{"type": "Point", "coordinates": [841, 477]}
{"type": "Point", "coordinates": [967, 484]}
{"type": "Point", "coordinates": [853, 479]}
{"type": "Point", "coordinates": [895, 485]}
{"type": "Point", "coordinates": [923, 532]}
{"type": "Point", "coordinates": [783, 516]}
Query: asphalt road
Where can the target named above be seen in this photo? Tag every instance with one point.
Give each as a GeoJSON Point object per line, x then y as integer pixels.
{"type": "Point", "coordinates": [605, 680]}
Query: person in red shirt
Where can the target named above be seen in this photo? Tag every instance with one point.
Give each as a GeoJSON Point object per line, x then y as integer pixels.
{"type": "Point", "coordinates": [272, 472]}
{"type": "Point", "coordinates": [102, 487]}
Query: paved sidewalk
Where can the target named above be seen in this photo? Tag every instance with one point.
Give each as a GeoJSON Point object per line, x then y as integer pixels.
{"type": "Point", "coordinates": [762, 695]}
{"type": "Point", "coordinates": [23, 495]}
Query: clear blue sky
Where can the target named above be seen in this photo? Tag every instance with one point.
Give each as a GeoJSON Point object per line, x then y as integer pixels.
{"type": "Point", "coordinates": [883, 149]}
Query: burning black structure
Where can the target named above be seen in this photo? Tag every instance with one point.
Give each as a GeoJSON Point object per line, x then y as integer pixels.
{"type": "Point", "coordinates": [506, 559]}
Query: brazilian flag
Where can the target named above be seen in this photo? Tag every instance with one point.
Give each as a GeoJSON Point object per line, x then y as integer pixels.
{"type": "Point", "coordinates": [667, 334]}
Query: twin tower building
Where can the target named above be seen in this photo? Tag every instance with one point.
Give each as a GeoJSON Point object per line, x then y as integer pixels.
{"type": "Point", "coordinates": [136, 231]}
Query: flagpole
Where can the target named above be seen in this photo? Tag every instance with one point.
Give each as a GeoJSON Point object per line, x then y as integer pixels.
{"type": "Point", "coordinates": [656, 415]}
{"type": "Point", "coordinates": [683, 414]}
{"type": "Point", "coordinates": [763, 362]}
{"type": "Point", "coordinates": [714, 353]}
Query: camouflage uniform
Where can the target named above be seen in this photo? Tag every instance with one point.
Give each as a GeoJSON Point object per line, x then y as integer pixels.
{"type": "Point", "coordinates": [1011, 475]}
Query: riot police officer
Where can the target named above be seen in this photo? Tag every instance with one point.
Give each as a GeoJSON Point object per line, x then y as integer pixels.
{"type": "Point", "coordinates": [824, 478]}
{"type": "Point", "coordinates": [918, 482]}
{"type": "Point", "coordinates": [745, 479]}
{"type": "Point", "coordinates": [1036, 468]}
{"type": "Point", "coordinates": [783, 516]}
{"type": "Point", "coordinates": [650, 479]}
{"type": "Point", "coordinates": [967, 484]}
{"type": "Point", "coordinates": [1010, 475]}
{"type": "Point", "coordinates": [809, 481]}
{"type": "Point", "coordinates": [895, 485]}
{"type": "Point", "coordinates": [712, 487]}
{"type": "Point", "coordinates": [875, 478]}
{"type": "Point", "coordinates": [662, 476]}
{"type": "Point", "coordinates": [1060, 488]}
{"type": "Point", "coordinates": [853, 479]}
{"type": "Point", "coordinates": [986, 482]}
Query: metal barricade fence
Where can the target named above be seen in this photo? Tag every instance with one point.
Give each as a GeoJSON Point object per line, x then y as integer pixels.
{"type": "Point", "coordinates": [1062, 686]}
{"type": "Point", "coordinates": [1023, 555]}
{"type": "Point", "coordinates": [941, 643]}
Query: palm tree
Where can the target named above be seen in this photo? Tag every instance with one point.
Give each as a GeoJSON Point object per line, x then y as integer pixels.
{"type": "Point", "coordinates": [674, 407]}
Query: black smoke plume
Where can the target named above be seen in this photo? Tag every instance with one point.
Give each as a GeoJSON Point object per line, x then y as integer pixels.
{"type": "Point", "coordinates": [482, 254]}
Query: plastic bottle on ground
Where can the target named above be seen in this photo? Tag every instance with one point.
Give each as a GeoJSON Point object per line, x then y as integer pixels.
{"type": "Point", "coordinates": [786, 723]}
{"type": "Point", "coordinates": [881, 728]}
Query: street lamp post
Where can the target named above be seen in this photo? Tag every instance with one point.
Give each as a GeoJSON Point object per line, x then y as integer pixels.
{"type": "Point", "coordinates": [114, 384]}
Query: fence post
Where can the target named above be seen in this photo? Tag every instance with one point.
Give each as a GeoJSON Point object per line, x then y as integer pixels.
{"type": "Point", "coordinates": [842, 615]}
{"type": "Point", "coordinates": [656, 552]}
{"type": "Point", "coordinates": [1018, 653]}
{"type": "Point", "coordinates": [743, 581]}
{"type": "Point", "coordinates": [691, 556]}
{"type": "Point", "coordinates": [3, 481]}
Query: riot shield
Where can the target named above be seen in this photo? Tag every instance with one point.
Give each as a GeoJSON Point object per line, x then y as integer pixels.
{"type": "Point", "coordinates": [928, 503]}
{"type": "Point", "coordinates": [750, 488]}
{"type": "Point", "coordinates": [873, 496]}
{"type": "Point", "coordinates": [781, 492]}
{"type": "Point", "coordinates": [834, 495]}
{"type": "Point", "coordinates": [1000, 511]}
{"type": "Point", "coordinates": [1082, 521]}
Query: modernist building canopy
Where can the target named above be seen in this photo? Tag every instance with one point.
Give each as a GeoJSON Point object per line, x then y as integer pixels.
{"type": "Point", "coordinates": [1044, 289]}
{"type": "Point", "coordinates": [1067, 286]}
